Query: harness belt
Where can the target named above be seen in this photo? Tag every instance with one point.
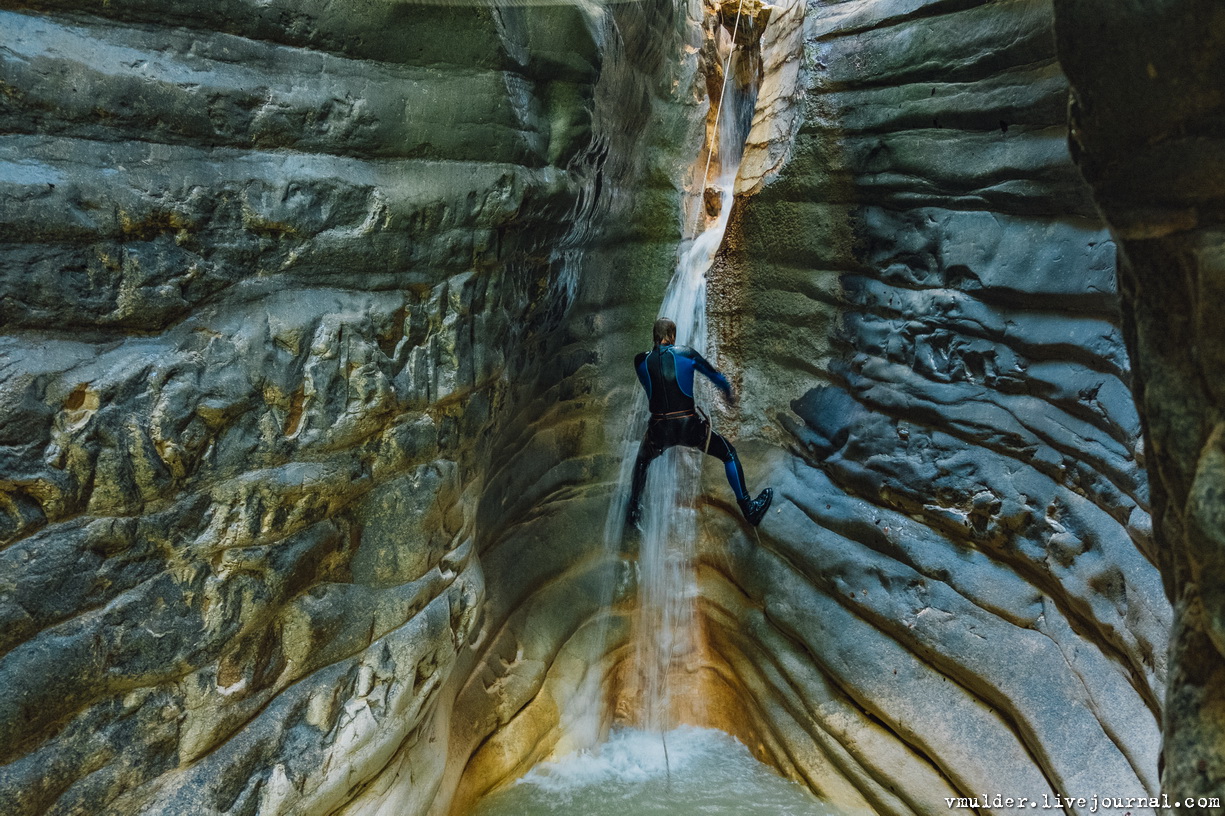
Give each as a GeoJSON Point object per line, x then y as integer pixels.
{"type": "Point", "coordinates": [674, 415]}
{"type": "Point", "coordinates": [682, 414]}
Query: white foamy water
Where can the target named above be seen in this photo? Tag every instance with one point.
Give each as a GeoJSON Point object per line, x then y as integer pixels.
{"type": "Point", "coordinates": [711, 774]}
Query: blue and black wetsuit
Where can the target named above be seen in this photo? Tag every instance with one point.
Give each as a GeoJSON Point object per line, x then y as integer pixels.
{"type": "Point", "coordinates": [666, 372]}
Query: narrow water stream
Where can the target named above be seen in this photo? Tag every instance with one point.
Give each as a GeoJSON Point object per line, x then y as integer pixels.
{"type": "Point", "coordinates": [706, 772]}
{"type": "Point", "coordinates": [666, 630]}
{"type": "Point", "coordinates": [657, 768]}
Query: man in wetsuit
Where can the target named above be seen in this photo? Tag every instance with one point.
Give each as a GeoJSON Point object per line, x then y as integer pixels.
{"type": "Point", "coordinates": [666, 372]}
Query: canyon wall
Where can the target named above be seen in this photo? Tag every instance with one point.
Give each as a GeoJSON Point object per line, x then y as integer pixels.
{"type": "Point", "coordinates": [303, 456]}
{"type": "Point", "coordinates": [316, 321]}
{"type": "Point", "coordinates": [1148, 133]}
{"type": "Point", "coordinates": [957, 591]}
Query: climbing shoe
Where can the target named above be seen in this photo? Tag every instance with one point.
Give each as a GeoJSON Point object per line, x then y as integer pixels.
{"type": "Point", "coordinates": [755, 510]}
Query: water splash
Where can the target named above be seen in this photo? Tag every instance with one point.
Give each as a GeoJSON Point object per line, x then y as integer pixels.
{"type": "Point", "coordinates": [711, 774]}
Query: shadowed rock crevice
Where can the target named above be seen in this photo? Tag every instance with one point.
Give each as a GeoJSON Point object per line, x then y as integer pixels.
{"type": "Point", "coordinates": [1145, 127]}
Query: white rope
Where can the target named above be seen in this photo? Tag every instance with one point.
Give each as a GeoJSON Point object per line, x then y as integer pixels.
{"type": "Point", "coordinates": [719, 110]}
{"type": "Point", "coordinates": [667, 765]}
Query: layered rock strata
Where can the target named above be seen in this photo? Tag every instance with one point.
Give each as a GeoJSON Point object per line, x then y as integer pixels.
{"type": "Point", "coordinates": [957, 592]}
{"type": "Point", "coordinates": [1146, 129]}
{"type": "Point", "coordinates": [301, 416]}
{"type": "Point", "coordinates": [314, 320]}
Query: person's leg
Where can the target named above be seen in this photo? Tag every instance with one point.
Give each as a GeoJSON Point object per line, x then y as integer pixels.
{"type": "Point", "coordinates": [754, 509]}
{"type": "Point", "coordinates": [648, 451]}
{"type": "Point", "coordinates": [722, 450]}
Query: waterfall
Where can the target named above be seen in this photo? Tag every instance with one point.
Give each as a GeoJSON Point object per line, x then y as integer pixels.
{"type": "Point", "coordinates": [666, 636]}
{"type": "Point", "coordinates": [666, 640]}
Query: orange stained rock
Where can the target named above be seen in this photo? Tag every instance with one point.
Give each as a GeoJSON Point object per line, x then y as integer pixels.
{"type": "Point", "coordinates": [754, 16]}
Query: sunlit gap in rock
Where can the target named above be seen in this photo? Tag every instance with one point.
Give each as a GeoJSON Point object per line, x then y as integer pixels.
{"type": "Point", "coordinates": [657, 767]}
{"type": "Point", "coordinates": [704, 772]}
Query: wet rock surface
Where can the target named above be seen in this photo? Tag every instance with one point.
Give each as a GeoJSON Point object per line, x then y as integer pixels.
{"type": "Point", "coordinates": [957, 592]}
{"type": "Point", "coordinates": [1147, 132]}
{"type": "Point", "coordinates": [316, 324]}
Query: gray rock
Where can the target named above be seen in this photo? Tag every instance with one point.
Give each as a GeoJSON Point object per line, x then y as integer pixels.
{"type": "Point", "coordinates": [957, 573]}
{"type": "Point", "coordinates": [315, 323]}
{"type": "Point", "coordinates": [1145, 128]}
{"type": "Point", "coordinates": [300, 386]}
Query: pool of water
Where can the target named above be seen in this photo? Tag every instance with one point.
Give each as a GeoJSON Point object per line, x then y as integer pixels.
{"type": "Point", "coordinates": [705, 772]}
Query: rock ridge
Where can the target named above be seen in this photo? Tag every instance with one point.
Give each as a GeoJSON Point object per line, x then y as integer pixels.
{"type": "Point", "coordinates": [302, 334]}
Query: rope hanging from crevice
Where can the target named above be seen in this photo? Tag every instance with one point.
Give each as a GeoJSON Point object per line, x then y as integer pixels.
{"type": "Point", "coordinates": [710, 152]}
{"type": "Point", "coordinates": [663, 733]}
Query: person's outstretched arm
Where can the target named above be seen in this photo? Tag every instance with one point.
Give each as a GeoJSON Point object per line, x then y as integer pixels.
{"type": "Point", "coordinates": [715, 376]}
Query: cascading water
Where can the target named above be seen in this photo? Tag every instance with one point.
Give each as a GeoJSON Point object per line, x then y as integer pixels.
{"type": "Point", "coordinates": [666, 637]}
{"type": "Point", "coordinates": [706, 772]}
